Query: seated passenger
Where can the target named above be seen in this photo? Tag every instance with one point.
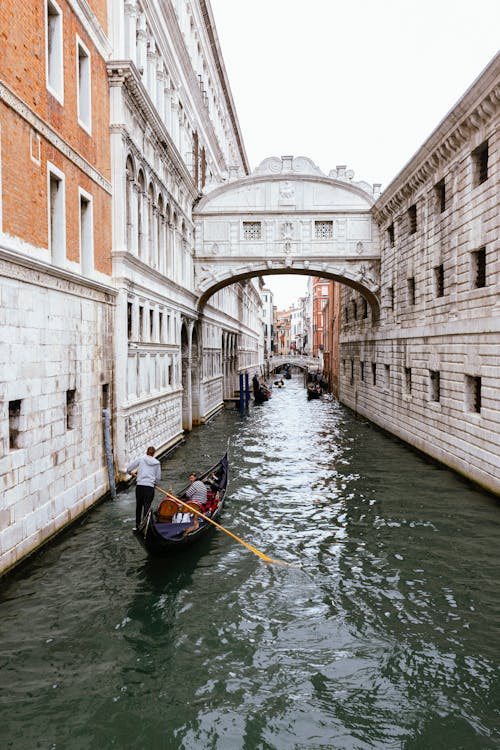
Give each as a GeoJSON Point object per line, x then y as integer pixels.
{"type": "Point", "coordinates": [197, 491]}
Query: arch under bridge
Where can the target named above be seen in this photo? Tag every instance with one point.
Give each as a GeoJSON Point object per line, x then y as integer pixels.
{"type": "Point", "coordinates": [298, 360]}
{"type": "Point", "coordinates": [288, 217]}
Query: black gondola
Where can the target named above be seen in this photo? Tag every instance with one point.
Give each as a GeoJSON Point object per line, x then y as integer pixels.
{"type": "Point", "coordinates": [160, 535]}
{"type": "Point", "coordinates": [313, 391]}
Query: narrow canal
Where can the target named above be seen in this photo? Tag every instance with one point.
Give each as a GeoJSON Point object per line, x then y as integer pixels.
{"type": "Point", "coordinates": [386, 636]}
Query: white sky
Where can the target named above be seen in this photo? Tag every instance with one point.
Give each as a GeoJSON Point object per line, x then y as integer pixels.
{"type": "Point", "coordinates": [355, 82]}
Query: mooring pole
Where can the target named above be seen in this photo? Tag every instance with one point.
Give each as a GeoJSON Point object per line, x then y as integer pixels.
{"type": "Point", "coordinates": [247, 389]}
{"type": "Point", "coordinates": [242, 394]}
{"type": "Point", "coordinates": [109, 452]}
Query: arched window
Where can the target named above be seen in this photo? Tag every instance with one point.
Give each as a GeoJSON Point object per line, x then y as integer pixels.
{"type": "Point", "coordinates": [129, 207]}
{"type": "Point", "coordinates": [140, 215]}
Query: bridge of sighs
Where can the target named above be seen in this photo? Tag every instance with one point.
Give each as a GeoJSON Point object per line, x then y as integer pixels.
{"type": "Point", "coordinates": [288, 217]}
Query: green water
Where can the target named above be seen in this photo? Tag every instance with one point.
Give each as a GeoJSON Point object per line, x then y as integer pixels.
{"type": "Point", "coordinates": [387, 636]}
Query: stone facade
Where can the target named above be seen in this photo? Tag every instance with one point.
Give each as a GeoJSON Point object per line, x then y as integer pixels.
{"type": "Point", "coordinates": [57, 299]}
{"type": "Point", "coordinates": [428, 369]}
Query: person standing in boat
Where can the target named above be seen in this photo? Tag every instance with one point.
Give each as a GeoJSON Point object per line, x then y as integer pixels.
{"type": "Point", "coordinates": [148, 474]}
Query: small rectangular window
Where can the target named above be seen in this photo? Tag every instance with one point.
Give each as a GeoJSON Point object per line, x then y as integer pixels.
{"type": "Point", "coordinates": [346, 314]}
{"type": "Point", "coordinates": [412, 219]}
{"type": "Point", "coordinates": [390, 297]}
{"type": "Point", "coordinates": [411, 290]}
{"type": "Point", "coordinates": [387, 377]}
{"type": "Point", "coordinates": [390, 234]}
{"type": "Point", "coordinates": [480, 164]}
{"type": "Point", "coordinates": [362, 370]}
{"type": "Point", "coordinates": [151, 325]}
{"type": "Point", "coordinates": [129, 320]}
{"type": "Point", "coordinates": [252, 230]}
{"type": "Point", "coordinates": [323, 230]}
{"type": "Point", "coordinates": [364, 304]}
{"type": "Point", "coordinates": [374, 373]}
{"type": "Point", "coordinates": [105, 396]}
{"type": "Point", "coordinates": [408, 381]}
{"type": "Point", "coordinates": [14, 424]}
{"type": "Point", "coordinates": [473, 393]}
{"type": "Point", "coordinates": [439, 280]}
{"type": "Point", "coordinates": [440, 192]}
{"type": "Point", "coordinates": [84, 86]}
{"type": "Point", "coordinates": [70, 409]}
{"type": "Point", "coordinates": [86, 234]}
{"type": "Point", "coordinates": [54, 49]}
{"type": "Point", "coordinates": [160, 327]}
{"type": "Point", "coordinates": [352, 372]}
{"type": "Point", "coordinates": [434, 385]}
{"type": "Point", "coordinates": [141, 323]}
{"type": "Point", "coordinates": [354, 310]}
{"type": "Point", "coordinates": [57, 219]}
{"type": "Point", "coordinates": [478, 258]}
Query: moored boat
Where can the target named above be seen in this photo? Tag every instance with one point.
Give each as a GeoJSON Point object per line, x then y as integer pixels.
{"type": "Point", "coordinates": [162, 533]}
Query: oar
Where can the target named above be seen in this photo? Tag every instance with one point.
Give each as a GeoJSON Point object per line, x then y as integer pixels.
{"type": "Point", "coordinates": [253, 549]}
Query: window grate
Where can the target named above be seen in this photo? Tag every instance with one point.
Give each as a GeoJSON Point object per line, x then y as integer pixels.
{"type": "Point", "coordinates": [252, 230]}
{"type": "Point", "coordinates": [323, 230]}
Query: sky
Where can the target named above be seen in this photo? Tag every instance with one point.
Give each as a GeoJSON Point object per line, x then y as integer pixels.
{"type": "Point", "coordinates": [355, 82]}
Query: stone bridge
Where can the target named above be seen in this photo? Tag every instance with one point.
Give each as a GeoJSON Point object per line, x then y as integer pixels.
{"type": "Point", "coordinates": [288, 217]}
{"type": "Point", "coordinates": [298, 360]}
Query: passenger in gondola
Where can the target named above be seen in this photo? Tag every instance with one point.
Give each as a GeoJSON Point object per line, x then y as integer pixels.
{"type": "Point", "coordinates": [255, 384]}
{"type": "Point", "coordinates": [196, 493]}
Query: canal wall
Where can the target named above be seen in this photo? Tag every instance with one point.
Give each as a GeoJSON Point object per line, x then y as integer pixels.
{"type": "Point", "coordinates": [428, 369]}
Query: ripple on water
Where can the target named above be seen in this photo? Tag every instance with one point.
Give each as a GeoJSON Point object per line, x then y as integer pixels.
{"type": "Point", "coordinates": [386, 636]}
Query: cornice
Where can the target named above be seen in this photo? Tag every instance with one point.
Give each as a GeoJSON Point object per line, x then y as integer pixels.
{"type": "Point", "coordinates": [51, 136]}
{"type": "Point", "coordinates": [477, 109]}
{"type": "Point", "coordinates": [124, 73]}
{"type": "Point", "coordinates": [223, 78]}
{"type": "Point", "coordinates": [34, 271]}
{"type": "Point", "coordinates": [184, 60]}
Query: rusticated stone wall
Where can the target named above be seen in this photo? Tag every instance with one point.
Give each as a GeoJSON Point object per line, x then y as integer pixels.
{"type": "Point", "coordinates": [428, 370]}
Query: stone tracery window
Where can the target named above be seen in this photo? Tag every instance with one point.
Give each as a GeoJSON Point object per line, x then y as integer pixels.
{"type": "Point", "coordinates": [252, 230]}
{"type": "Point", "coordinates": [323, 230]}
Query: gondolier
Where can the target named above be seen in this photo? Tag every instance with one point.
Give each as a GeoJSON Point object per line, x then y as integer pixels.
{"type": "Point", "coordinates": [148, 474]}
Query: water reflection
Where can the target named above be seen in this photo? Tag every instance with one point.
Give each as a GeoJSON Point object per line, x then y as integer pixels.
{"type": "Point", "coordinates": [387, 636]}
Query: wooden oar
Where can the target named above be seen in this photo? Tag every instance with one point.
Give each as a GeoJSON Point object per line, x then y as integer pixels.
{"type": "Point", "coordinates": [253, 549]}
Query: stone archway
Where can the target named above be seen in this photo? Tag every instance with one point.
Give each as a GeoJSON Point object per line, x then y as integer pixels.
{"type": "Point", "coordinates": [288, 217]}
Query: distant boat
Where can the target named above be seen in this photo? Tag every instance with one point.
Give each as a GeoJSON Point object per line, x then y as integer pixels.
{"type": "Point", "coordinates": [160, 535]}
{"type": "Point", "coordinates": [313, 391]}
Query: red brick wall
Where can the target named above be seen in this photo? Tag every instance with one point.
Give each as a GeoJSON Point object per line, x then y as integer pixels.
{"type": "Point", "coordinates": [23, 69]}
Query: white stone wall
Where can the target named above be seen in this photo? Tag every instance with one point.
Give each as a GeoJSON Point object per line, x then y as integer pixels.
{"type": "Point", "coordinates": [56, 337]}
{"type": "Point", "coordinates": [453, 331]}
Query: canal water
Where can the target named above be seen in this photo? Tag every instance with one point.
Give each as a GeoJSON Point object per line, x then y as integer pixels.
{"type": "Point", "coordinates": [384, 633]}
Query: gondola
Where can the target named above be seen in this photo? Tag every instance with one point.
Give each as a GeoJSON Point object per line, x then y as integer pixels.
{"type": "Point", "coordinates": [261, 393]}
{"type": "Point", "coordinates": [313, 391]}
{"type": "Point", "coordinates": [161, 536]}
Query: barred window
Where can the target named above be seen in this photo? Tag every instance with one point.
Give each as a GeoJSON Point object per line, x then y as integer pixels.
{"type": "Point", "coordinates": [473, 393]}
{"type": "Point", "coordinates": [480, 164]}
{"type": "Point", "coordinates": [434, 385]}
{"type": "Point", "coordinates": [439, 280]}
{"type": "Point", "coordinates": [323, 230]}
{"type": "Point", "coordinates": [252, 230]}
{"type": "Point", "coordinates": [479, 268]}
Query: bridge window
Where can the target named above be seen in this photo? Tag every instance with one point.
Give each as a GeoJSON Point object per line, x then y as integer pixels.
{"type": "Point", "coordinates": [362, 370]}
{"type": "Point", "coordinates": [364, 307]}
{"type": "Point", "coordinates": [478, 258]}
{"type": "Point", "coordinates": [434, 385]}
{"type": "Point", "coordinates": [480, 164]}
{"type": "Point", "coordinates": [323, 230]}
{"type": "Point", "coordinates": [387, 377]}
{"type": "Point", "coordinates": [412, 219]}
{"type": "Point", "coordinates": [374, 373]}
{"type": "Point", "coordinates": [352, 372]}
{"type": "Point", "coordinates": [473, 393]}
{"type": "Point", "coordinates": [252, 230]}
{"type": "Point", "coordinates": [390, 297]}
{"type": "Point", "coordinates": [439, 280]}
{"type": "Point", "coordinates": [440, 192]}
